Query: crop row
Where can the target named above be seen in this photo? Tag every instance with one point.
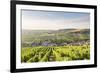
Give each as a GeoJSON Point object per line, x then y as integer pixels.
{"type": "Point", "coordinates": [55, 53]}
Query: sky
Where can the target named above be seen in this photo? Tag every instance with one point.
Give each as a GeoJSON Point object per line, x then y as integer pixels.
{"type": "Point", "coordinates": [52, 20]}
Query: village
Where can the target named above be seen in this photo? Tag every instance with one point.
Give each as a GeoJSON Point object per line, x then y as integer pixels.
{"type": "Point", "coordinates": [47, 43]}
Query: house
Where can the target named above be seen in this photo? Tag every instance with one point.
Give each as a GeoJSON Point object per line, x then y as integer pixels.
{"type": "Point", "coordinates": [45, 43]}
{"type": "Point", "coordinates": [48, 44]}
{"type": "Point", "coordinates": [34, 44]}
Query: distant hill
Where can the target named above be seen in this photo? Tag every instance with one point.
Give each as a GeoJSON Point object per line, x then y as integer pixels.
{"type": "Point", "coordinates": [55, 35]}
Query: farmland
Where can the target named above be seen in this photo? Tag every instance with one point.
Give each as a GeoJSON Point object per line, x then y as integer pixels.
{"type": "Point", "coordinates": [55, 45]}
{"type": "Point", "coordinates": [52, 53]}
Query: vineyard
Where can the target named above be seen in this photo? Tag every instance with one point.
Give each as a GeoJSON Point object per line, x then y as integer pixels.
{"type": "Point", "coordinates": [54, 53]}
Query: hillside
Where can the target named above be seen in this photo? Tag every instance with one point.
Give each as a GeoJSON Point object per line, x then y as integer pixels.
{"type": "Point", "coordinates": [55, 36]}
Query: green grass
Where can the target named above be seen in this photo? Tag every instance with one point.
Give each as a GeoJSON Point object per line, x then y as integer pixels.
{"type": "Point", "coordinates": [54, 53]}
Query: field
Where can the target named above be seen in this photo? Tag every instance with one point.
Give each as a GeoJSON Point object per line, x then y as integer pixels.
{"type": "Point", "coordinates": [52, 53]}
{"type": "Point", "coordinates": [55, 45]}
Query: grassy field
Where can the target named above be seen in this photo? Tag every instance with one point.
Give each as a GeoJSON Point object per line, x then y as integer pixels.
{"type": "Point", "coordinates": [54, 53]}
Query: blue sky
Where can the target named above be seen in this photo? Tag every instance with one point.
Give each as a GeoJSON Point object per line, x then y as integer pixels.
{"type": "Point", "coordinates": [51, 20]}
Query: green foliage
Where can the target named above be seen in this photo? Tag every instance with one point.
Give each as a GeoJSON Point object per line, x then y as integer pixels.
{"type": "Point", "coordinates": [55, 53]}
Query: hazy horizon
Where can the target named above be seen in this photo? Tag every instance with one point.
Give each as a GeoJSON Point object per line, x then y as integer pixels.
{"type": "Point", "coordinates": [50, 20]}
{"type": "Point", "coordinates": [57, 29]}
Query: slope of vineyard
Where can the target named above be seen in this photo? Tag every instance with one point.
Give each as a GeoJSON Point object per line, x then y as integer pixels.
{"type": "Point", "coordinates": [55, 53]}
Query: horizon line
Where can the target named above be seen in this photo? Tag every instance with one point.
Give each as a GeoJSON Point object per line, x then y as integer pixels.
{"type": "Point", "coordinates": [56, 29]}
